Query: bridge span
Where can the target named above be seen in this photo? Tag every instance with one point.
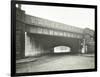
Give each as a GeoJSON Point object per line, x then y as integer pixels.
{"type": "Point", "coordinates": [37, 36]}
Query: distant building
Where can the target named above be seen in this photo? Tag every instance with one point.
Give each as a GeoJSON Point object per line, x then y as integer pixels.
{"type": "Point", "coordinates": [89, 36]}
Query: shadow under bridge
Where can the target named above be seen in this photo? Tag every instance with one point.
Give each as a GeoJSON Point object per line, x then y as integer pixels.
{"type": "Point", "coordinates": [40, 44]}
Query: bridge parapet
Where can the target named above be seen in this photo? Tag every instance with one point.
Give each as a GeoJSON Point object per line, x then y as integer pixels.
{"type": "Point", "coordinates": [32, 20]}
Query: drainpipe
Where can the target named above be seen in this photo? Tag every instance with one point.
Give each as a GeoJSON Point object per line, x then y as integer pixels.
{"type": "Point", "coordinates": [84, 43]}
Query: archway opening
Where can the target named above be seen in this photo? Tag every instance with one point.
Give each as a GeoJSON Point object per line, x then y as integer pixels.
{"type": "Point", "coordinates": [62, 49]}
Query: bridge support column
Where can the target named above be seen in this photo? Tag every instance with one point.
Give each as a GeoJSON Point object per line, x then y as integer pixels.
{"type": "Point", "coordinates": [75, 48]}
{"type": "Point", "coordinates": [33, 47]}
{"type": "Point", "coordinates": [20, 40]}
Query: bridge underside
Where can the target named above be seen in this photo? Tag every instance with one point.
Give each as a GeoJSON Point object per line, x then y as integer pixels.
{"type": "Point", "coordinates": [38, 44]}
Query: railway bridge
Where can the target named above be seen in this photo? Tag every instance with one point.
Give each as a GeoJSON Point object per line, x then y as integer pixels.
{"type": "Point", "coordinates": [37, 36]}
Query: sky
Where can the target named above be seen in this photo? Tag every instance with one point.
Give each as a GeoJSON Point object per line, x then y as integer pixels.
{"type": "Point", "coordinates": [78, 17]}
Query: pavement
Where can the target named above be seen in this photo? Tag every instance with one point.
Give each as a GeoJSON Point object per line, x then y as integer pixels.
{"type": "Point", "coordinates": [55, 62]}
{"type": "Point", "coordinates": [25, 60]}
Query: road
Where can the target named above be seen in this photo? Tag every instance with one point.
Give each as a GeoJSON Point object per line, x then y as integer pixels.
{"type": "Point", "coordinates": [57, 62]}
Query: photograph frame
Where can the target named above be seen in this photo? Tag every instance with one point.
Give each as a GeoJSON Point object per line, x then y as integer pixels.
{"type": "Point", "coordinates": [13, 37]}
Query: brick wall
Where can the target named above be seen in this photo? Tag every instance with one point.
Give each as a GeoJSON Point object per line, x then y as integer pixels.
{"type": "Point", "coordinates": [20, 38]}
